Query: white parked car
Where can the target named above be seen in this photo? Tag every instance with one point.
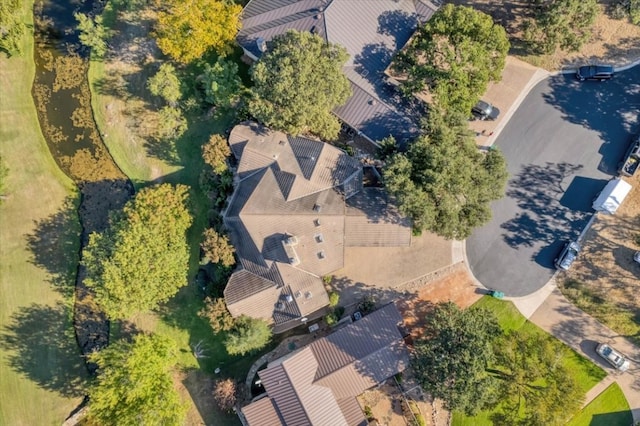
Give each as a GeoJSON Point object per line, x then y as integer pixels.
{"type": "Point", "coordinates": [636, 257]}
{"type": "Point", "coordinates": [613, 357]}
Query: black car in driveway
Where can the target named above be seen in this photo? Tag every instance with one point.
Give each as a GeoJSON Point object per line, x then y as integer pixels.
{"type": "Point", "coordinates": [484, 111]}
{"type": "Point", "coordinates": [595, 72]}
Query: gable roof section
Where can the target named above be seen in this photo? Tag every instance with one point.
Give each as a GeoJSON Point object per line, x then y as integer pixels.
{"type": "Point", "coordinates": [262, 412]}
{"type": "Point", "coordinates": [317, 385]}
{"type": "Point", "coordinates": [370, 31]}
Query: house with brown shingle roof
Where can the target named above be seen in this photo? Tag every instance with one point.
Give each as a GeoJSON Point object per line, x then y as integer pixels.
{"type": "Point", "coordinates": [371, 31]}
{"type": "Point", "coordinates": [296, 205]}
{"type": "Point", "coordinates": [318, 384]}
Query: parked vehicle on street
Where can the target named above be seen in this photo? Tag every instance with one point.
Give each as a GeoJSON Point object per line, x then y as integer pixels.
{"type": "Point", "coordinates": [568, 254]}
{"type": "Point", "coordinates": [495, 294]}
{"type": "Point", "coordinates": [484, 111]}
{"type": "Point", "coordinates": [613, 357]}
{"type": "Point", "coordinates": [636, 257]}
{"type": "Point", "coordinates": [595, 72]}
{"type": "Point", "coordinates": [631, 159]}
{"type": "Point", "coordinates": [612, 196]}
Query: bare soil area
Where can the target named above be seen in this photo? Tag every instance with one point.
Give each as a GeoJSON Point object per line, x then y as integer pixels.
{"type": "Point", "coordinates": [613, 41]}
{"type": "Point", "coordinates": [605, 271]}
{"type": "Point", "coordinates": [458, 287]}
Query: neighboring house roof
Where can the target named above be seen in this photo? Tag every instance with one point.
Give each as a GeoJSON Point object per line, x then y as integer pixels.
{"type": "Point", "coordinates": [317, 385]}
{"type": "Point", "coordinates": [370, 31]}
{"type": "Point", "coordinates": [289, 222]}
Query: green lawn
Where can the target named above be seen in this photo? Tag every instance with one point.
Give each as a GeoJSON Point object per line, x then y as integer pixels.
{"type": "Point", "coordinates": [41, 371]}
{"type": "Point", "coordinates": [586, 373]}
{"type": "Point", "coordinates": [610, 408]}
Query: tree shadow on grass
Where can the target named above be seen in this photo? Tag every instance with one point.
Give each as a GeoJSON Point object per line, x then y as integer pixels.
{"type": "Point", "coordinates": [54, 244]}
{"type": "Point", "coordinates": [40, 345]}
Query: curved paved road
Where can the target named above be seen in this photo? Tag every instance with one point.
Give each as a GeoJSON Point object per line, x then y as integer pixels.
{"type": "Point", "coordinates": [562, 145]}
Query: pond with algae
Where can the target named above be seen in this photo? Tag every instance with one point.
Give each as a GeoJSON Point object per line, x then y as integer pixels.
{"type": "Point", "coordinates": [63, 101]}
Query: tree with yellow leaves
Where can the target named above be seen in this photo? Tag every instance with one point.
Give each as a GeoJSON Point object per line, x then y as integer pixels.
{"type": "Point", "coordinates": [186, 29]}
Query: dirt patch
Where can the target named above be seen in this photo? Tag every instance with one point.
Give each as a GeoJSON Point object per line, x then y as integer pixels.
{"type": "Point", "coordinates": [613, 41]}
{"type": "Point", "coordinates": [605, 267]}
{"type": "Point", "coordinates": [457, 287]}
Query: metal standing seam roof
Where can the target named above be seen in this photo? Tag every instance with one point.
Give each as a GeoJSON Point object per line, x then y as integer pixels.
{"type": "Point", "coordinates": [308, 388]}
{"type": "Point", "coordinates": [371, 32]}
{"type": "Point", "coordinates": [262, 412]}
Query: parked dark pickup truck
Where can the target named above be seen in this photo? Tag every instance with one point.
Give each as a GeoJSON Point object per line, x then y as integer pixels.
{"type": "Point", "coordinates": [631, 159]}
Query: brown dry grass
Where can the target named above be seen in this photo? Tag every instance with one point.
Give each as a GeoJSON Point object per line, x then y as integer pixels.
{"type": "Point", "coordinates": [613, 41]}
{"type": "Point", "coordinates": [606, 268]}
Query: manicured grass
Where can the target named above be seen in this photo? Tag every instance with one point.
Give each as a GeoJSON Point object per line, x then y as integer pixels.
{"type": "Point", "coordinates": [584, 371]}
{"type": "Point", "coordinates": [41, 371]}
{"type": "Point", "coordinates": [610, 408]}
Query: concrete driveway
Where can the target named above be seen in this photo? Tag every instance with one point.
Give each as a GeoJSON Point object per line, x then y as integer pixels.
{"type": "Point", "coordinates": [580, 331]}
{"type": "Point", "coordinates": [562, 145]}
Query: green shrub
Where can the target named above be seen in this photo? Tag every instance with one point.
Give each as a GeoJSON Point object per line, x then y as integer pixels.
{"type": "Point", "coordinates": [331, 319]}
{"type": "Point", "coordinates": [334, 298]}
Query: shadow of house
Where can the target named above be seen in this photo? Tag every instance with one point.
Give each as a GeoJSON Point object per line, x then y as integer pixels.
{"type": "Point", "coordinates": [371, 36]}
{"type": "Point", "coordinates": [318, 384]}
{"type": "Point", "coordinates": [289, 220]}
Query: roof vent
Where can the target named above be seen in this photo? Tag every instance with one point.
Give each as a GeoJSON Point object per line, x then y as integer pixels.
{"type": "Point", "coordinates": [262, 44]}
{"type": "Point", "coordinates": [308, 295]}
{"type": "Point", "coordinates": [281, 143]}
{"type": "Point", "coordinates": [321, 255]}
{"type": "Point", "coordinates": [288, 298]}
{"type": "Point", "coordinates": [319, 238]}
{"type": "Point", "coordinates": [317, 208]}
{"type": "Point", "coordinates": [298, 294]}
{"type": "Point", "coordinates": [279, 306]}
{"type": "Point", "coordinates": [291, 240]}
{"type": "Point", "coordinates": [372, 102]}
{"type": "Point", "coordinates": [316, 222]}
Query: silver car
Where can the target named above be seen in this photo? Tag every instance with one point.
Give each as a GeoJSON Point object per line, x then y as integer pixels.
{"type": "Point", "coordinates": [568, 254]}
{"type": "Point", "coordinates": [613, 357]}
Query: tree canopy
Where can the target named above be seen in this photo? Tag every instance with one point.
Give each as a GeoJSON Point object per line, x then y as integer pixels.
{"type": "Point", "coordinates": [534, 386]}
{"type": "Point", "coordinates": [134, 385]}
{"type": "Point", "coordinates": [217, 248]}
{"type": "Point", "coordinates": [186, 29]}
{"type": "Point", "coordinates": [443, 183]}
{"type": "Point", "coordinates": [248, 334]}
{"type": "Point", "coordinates": [564, 24]}
{"type": "Point", "coordinates": [216, 312]}
{"type": "Point", "coordinates": [141, 260]}
{"type": "Point", "coordinates": [298, 81]}
{"type": "Point", "coordinates": [93, 33]}
{"type": "Point", "coordinates": [216, 153]}
{"type": "Point", "coordinates": [454, 55]}
{"type": "Point", "coordinates": [450, 360]}
{"type": "Point", "coordinates": [165, 84]}
{"type": "Point", "coordinates": [12, 26]}
{"type": "Point", "coordinates": [222, 84]}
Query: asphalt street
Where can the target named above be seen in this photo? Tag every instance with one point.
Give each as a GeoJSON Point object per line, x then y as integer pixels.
{"type": "Point", "coordinates": [562, 145]}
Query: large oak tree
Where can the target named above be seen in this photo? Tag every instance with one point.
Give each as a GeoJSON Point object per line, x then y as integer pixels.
{"type": "Point", "coordinates": [141, 260]}
{"type": "Point", "coordinates": [134, 385]}
{"type": "Point", "coordinates": [451, 358]}
{"type": "Point", "coordinates": [298, 81]}
{"type": "Point", "coordinates": [443, 183]}
{"type": "Point", "coordinates": [454, 56]}
{"type": "Point", "coordinates": [535, 387]}
{"type": "Point", "coordinates": [564, 24]}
